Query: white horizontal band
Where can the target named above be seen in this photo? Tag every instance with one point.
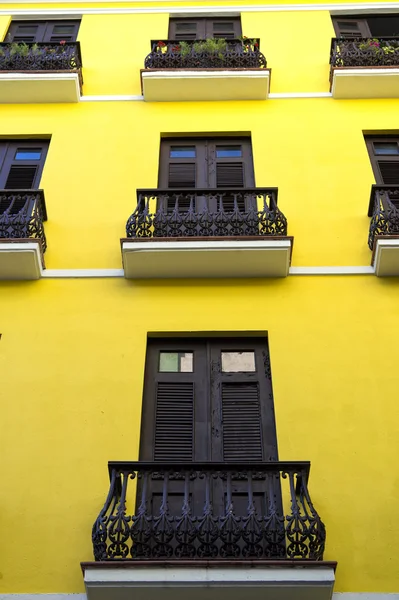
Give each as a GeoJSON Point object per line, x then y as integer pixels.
{"type": "Point", "coordinates": [103, 273]}
{"type": "Point", "coordinates": [276, 96]}
{"type": "Point", "coordinates": [353, 8]}
{"type": "Point", "coordinates": [336, 596]}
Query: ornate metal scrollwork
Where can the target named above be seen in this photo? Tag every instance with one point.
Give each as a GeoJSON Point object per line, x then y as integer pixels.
{"type": "Point", "coordinates": [152, 220]}
{"type": "Point", "coordinates": [191, 54]}
{"type": "Point", "coordinates": [185, 525]}
{"type": "Point", "coordinates": [22, 215]}
{"type": "Point", "coordinates": [63, 56]}
{"type": "Point", "coordinates": [385, 217]}
{"type": "Point", "coordinates": [364, 52]}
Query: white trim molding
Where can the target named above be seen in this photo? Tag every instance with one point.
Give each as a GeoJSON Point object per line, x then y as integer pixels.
{"type": "Point", "coordinates": [271, 96]}
{"type": "Point", "coordinates": [349, 8]}
{"type": "Point", "coordinates": [336, 596]}
{"type": "Point", "coordinates": [109, 273]}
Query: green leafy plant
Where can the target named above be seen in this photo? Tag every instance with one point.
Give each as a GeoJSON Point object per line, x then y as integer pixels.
{"type": "Point", "coordinates": [215, 46]}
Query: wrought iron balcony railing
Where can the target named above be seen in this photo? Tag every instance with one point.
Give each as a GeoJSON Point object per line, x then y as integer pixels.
{"type": "Point", "coordinates": [199, 54]}
{"type": "Point", "coordinates": [22, 213]}
{"type": "Point", "coordinates": [206, 213]}
{"type": "Point", "coordinates": [40, 56]}
{"type": "Point", "coordinates": [365, 52]}
{"type": "Point", "coordinates": [384, 211]}
{"type": "Point", "coordinates": [208, 511]}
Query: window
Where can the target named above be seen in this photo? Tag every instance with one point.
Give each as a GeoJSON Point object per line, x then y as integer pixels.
{"type": "Point", "coordinates": [197, 29]}
{"type": "Point", "coordinates": [42, 31]}
{"type": "Point", "coordinates": [21, 163]}
{"type": "Point", "coordinates": [372, 26]}
{"type": "Point", "coordinates": [384, 157]}
{"type": "Point", "coordinates": [208, 400]}
{"type": "Point", "coordinates": [206, 163]}
{"type": "Point", "coordinates": [213, 403]}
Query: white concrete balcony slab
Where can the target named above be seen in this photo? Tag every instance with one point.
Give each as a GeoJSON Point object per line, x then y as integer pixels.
{"type": "Point", "coordinates": [21, 259]}
{"type": "Point", "coordinates": [386, 256]}
{"type": "Point", "coordinates": [39, 88]}
{"type": "Point", "coordinates": [365, 82]}
{"type": "Point", "coordinates": [184, 85]}
{"type": "Point", "coordinates": [164, 259]}
{"type": "Point", "coordinates": [283, 581]}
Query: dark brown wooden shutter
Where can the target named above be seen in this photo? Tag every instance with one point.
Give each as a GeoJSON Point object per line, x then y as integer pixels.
{"type": "Point", "coordinates": [182, 175]}
{"type": "Point", "coordinates": [43, 31]}
{"type": "Point", "coordinates": [21, 178]}
{"type": "Point", "coordinates": [223, 28]}
{"type": "Point", "coordinates": [18, 170]}
{"type": "Point", "coordinates": [174, 421]}
{"type": "Point", "coordinates": [242, 437]}
{"type": "Point", "coordinates": [57, 31]}
{"type": "Point", "coordinates": [229, 174]}
{"type": "Point", "coordinates": [351, 28]}
{"type": "Point", "coordinates": [186, 29]}
{"type": "Point", "coordinates": [389, 171]}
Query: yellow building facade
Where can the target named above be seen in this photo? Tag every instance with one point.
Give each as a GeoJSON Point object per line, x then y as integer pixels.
{"type": "Point", "coordinates": [74, 336]}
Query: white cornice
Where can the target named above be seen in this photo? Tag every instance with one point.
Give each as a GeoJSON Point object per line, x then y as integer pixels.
{"type": "Point", "coordinates": [350, 8]}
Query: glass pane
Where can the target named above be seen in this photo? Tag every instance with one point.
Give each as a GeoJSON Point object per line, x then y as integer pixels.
{"type": "Point", "coordinates": [182, 152]}
{"type": "Point", "coordinates": [176, 362]}
{"type": "Point", "coordinates": [234, 362]}
{"type": "Point", "coordinates": [345, 26]}
{"type": "Point", "coordinates": [386, 148]}
{"type": "Point", "coordinates": [64, 29]}
{"type": "Point", "coordinates": [227, 26]}
{"type": "Point", "coordinates": [228, 151]}
{"type": "Point", "coordinates": [28, 154]}
{"type": "Point", "coordinates": [186, 26]}
{"type": "Point", "coordinates": [23, 29]}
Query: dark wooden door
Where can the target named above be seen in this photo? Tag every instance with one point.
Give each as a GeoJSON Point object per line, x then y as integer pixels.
{"type": "Point", "coordinates": [53, 31]}
{"type": "Point", "coordinates": [208, 400]}
{"type": "Point", "coordinates": [222, 163]}
{"type": "Point", "coordinates": [199, 29]}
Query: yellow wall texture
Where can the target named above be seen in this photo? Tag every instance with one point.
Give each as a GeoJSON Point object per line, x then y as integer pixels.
{"type": "Point", "coordinates": [72, 377]}
{"type": "Point", "coordinates": [72, 351]}
{"type": "Point", "coordinates": [313, 150]}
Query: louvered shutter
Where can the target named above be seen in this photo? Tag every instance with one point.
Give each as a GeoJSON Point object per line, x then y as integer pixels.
{"type": "Point", "coordinates": [351, 28]}
{"type": "Point", "coordinates": [186, 29]}
{"type": "Point", "coordinates": [174, 421]}
{"type": "Point", "coordinates": [26, 31]}
{"type": "Point", "coordinates": [241, 416]}
{"type": "Point", "coordinates": [22, 164]}
{"type": "Point", "coordinates": [57, 31]}
{"type": "Point", "coordinates": [223, 28]}
{"type": "Point", "coordinates": [43, 31]}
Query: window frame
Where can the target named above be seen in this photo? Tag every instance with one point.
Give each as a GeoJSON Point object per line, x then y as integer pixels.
{"type": "Point", "coordinates": [376, 158]}
{"type": "Point", "coordinates": [205, 27]}
{"type": "Point", "coordinates": [45, 30]}
{"type": "Point", "coordinates": [8, 149]}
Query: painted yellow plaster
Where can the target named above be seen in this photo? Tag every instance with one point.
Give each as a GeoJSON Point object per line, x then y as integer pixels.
{"type": "Point", "coordinates": [311, 149]}
{"type": "Point", "coordinates": [72, 376]}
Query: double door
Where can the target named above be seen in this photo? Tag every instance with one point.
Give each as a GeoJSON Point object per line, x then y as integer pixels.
{"type": "Point", "coordinates": [210, 401]}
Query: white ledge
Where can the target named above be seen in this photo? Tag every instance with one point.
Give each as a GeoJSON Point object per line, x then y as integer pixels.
{"type": "Point", "coordinates": [375, 82]}
{"type": "Point", "coordinates": [38, 88]}
{"type": "Point", "coordinates": [210, 583]}
{"type": "Point", "coordinates": [213, 259]}
{"type": "Point", "coordinates": [21, 260]}
{"type": "Point", "coordinates": [198, 85]}
{"type": "Point", "coordinates": [386, 256]}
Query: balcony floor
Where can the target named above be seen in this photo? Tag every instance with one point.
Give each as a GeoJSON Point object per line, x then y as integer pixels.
{"type": "Point", "coordinates": [39, 87]}
{"type": "Point", "coordinates": [166, 258]}
{"type": "Point", "coordinates": [365, 82]}
{"type": "Point", "coordinates": [199, 580]}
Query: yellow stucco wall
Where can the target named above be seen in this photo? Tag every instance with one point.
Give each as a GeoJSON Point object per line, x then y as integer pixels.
{"type": "Point", "coordinates": [72, 376]}
{"type": "Point", "coordinates": [72, 351]}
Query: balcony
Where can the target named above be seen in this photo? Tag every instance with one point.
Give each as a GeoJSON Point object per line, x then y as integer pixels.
{"type": "Point", "coordinates": [22, 239]}
{"type": "Point", "coordinates": [384, 229]}
{"type": "Point", "coordinates": [40, 72]}
{"type": "Point", "coordinates": [214, 69]}
{"type": "Point", "coordinates": [365, 67]}
{"type": "Point", "coordinates": [237, 233]}
{"type": "Point", "coordinates": [211, 531]}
